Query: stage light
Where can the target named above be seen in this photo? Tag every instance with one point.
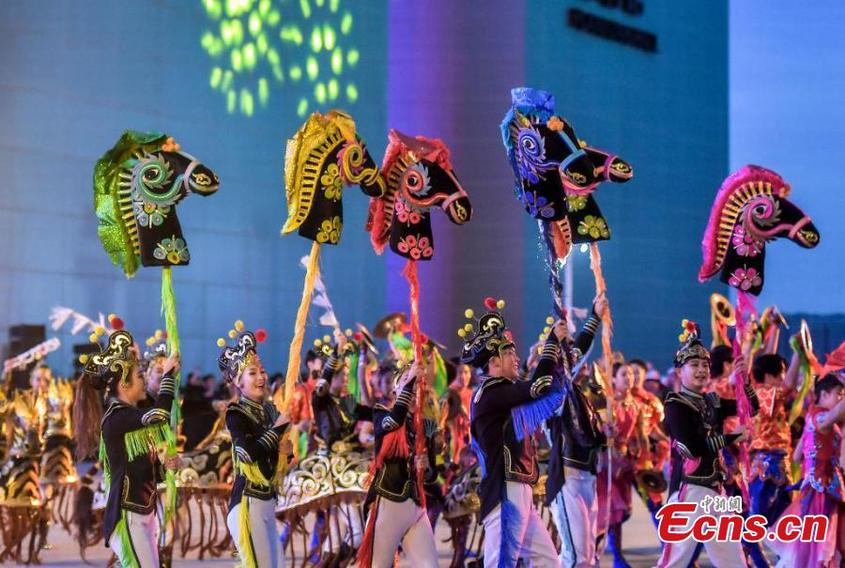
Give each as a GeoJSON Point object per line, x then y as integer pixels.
{"type": "Point", "coordinates": [256, 45]}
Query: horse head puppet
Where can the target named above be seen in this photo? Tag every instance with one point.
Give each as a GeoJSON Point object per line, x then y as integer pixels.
{"type": "Point", "coordinates": [555, 172]}
{"type": "Point", "coordinates": [323, 156]}
{"type": "Point", "coordinates": [137, 185]}
{"type": "Point", "coordinates": [419, 176]}
{"type": "Point", "coordinates": [751, 209]}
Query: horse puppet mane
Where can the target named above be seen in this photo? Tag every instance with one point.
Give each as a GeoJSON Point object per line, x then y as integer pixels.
{"type": "Point", "coordinates": [401, 151]}
{"type": "Point", "coordinates": [738, 189]}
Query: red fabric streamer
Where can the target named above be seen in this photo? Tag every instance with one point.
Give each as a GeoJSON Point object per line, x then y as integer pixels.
{"type": "Point", "coordinates": [744, 310]}
{"type": "Point", "coordinates": [394, 445]}
{"type": "Point", "coordinates": [364, 558]}
{"type": "Point", "coordinates": [834, 362]}
{"type": "Point", "coordinates": [410, 274]}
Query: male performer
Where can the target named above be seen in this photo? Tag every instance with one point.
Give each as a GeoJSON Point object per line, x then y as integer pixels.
{"type": "Point", "coordinates": [577, 439]}
{"type": "Point", "coordinates": [694, 421]}
{"type": "Point", "coordinates": [397, 516]}
{"type": "Point", "coordinates": [505, 412]}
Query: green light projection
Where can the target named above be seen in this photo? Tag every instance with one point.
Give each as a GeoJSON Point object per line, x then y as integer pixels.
{"type": "Point", "coordinates": [258, 45]}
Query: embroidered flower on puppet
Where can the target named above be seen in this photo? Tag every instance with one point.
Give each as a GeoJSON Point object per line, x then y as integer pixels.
{"type": "Point", "coordinates": [332, 183]}
{"type": "Point", "coordinates": [330, 230]}
{"type": "Point", "coordinates": [745, 244]}
{"type": "Point", "coordinates": [149, 214]}
{"type": "Point", "coordinates": [537, 204]}
{"type": "Point", "coordinates": [576, 202]}
{"type": "Point", "coordinates": [415, 246]}
{"type": "Point", "coordinates": [744, 278]}
{"type": "Point", "coordinates": [406, 214]}
{"type": "Point", "coordinates": [173, 249]}
{"type": "Point", "coordinates": [596, 227]}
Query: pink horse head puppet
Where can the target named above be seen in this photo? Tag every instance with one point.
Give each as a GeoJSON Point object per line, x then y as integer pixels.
{"type": "Point", "coordinates": [751, 209]}
{"type": "Point", "coordinates": [419, 176]}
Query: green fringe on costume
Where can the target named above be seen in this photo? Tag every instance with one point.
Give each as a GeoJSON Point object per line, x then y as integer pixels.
{"type": "Point", "coordinates": [122, 532]}
{"type": "Point", "coordinates": [104, 459]}
{"type": "Point", "coordinates": [138, 442]}
{"type": "Point", "coordinates": [153, 436]}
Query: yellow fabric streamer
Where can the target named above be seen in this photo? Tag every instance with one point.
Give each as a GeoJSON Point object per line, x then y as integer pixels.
{"type": "Point", "coordinates": [245, 536]}
{"type": "Point", "coordinates": [294, 355]}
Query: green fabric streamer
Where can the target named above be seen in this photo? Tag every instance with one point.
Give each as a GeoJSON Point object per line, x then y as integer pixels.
{"type": "Point", "coordinates": [807, 374]}
{"type": "Point", "coordinates": [168, 309]}
{"type": "Point", "coordinates": [440, 377]}
{"type": "Point", "coordinates": [402, 344]}
{"type": "Point", "coordinates": [122, 531]}
{"type": "Point", "coordinates": [303, 444]}
{"type": "Point", "coordinates": [352, 381]}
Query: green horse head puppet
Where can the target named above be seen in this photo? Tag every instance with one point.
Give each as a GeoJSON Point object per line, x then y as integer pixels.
{"type": "Point", "coordinates": [137, 185]}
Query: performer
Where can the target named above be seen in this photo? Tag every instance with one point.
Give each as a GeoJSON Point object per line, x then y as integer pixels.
{"type": "Point", "coordinates": [300, 409]}
{"type": "Point", "coordinates": [152, 365]}
{"type": "Point", "coordinates": [654, 455]}
{"type": "Point", "coordinates": [129, 444]}
{"type": "Point", "coordinates": [396, 513]}
{"type": "Point", "coordinates": [822, 487]}
{"type": "Point", "coordinates": [257, 428]}
{"type": "Point", "coordinates": [505, 413]}
{"type": "Point", "coordinates": [454, 411]}
{"type": "Point", "coordinates": [693, 421]}
{"type": "Point", "coordinates": [576, 439]}
{"type": "Point", "coordinates": [629, 442]}
{"type": "Point", "coordinates": [335, 415]}
{"type": "Point", "coordinates": [772, 441]}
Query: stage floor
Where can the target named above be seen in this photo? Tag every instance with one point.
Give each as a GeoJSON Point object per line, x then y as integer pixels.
{"type": "Point", "coordinates": [638, 533]}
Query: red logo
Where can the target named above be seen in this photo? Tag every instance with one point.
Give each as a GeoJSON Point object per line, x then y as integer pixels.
{"type": "Point", "coordinates": [676, 525]}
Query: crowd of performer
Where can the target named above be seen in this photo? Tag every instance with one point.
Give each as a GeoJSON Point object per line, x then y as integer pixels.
{"type": "Point", "coordinates": [535, 459]}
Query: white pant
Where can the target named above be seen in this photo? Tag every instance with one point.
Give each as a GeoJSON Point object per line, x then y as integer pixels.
{"type": "Point", "coordinates": [527, 531]}
{"type": "Point", "coordinates": [347, 516]}
{"type": "Point", "coordinates": [575, 512]}
{"type": "Point", "coordinates": [141, 547]}
{"type": "Point", "coordinates": [263, 532]}
{"type": "Point", "coordinates": [721, 554]}
{"type": "Point", "coordinates": [402, 523]}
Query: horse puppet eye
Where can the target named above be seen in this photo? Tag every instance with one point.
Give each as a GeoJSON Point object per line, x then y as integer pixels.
{"type": "Point", "coordinates": [416, 180]}
{"type": "Point", "coordinates": [531, 141]}
{"type": "Point", "coordinates": [413, 181]}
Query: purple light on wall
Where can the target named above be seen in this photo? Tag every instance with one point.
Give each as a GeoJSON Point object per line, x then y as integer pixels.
{"type": "Point", "coordinates": [450, 67]}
